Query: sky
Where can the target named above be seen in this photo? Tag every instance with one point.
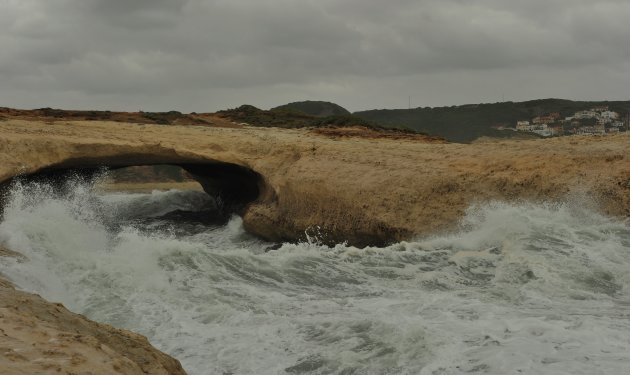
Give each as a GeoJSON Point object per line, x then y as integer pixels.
{"type": "Point", "coordinates": [207, 55]}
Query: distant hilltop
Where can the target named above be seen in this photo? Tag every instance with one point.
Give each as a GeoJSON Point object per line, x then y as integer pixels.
{"type": "Point", "coordinates": [315, 108]}
{"type": "Point", "coordinates": [287, 117]}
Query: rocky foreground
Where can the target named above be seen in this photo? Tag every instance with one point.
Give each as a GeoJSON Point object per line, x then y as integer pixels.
{"type": "Point", "coordinates": [39, 337]}
{"type": "Point", "coordinates": [343, 185]}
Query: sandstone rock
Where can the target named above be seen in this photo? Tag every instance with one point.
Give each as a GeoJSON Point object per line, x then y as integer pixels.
{"type": "Point", "coordinates": [40, 337]}
{"type": "Point", "coordinates": [363, 190]}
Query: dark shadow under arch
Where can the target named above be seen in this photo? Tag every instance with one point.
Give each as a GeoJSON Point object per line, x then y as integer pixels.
{"type": "Point", "coordinates": [233, 185]}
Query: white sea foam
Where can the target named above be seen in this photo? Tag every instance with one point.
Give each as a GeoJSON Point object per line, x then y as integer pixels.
{"type": "Point", "coordinates": [537, 289]}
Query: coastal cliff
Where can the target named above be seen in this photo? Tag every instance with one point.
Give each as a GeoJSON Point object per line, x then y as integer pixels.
{"type": "Point", "coordinates": [338, 185]}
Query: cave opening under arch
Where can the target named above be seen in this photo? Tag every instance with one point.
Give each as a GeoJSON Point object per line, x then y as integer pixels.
{"type": "Point", "coordinates": [234, 186]}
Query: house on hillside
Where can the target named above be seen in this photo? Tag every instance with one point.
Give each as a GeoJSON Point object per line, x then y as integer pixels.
{"type": "Point", "coordinates": [617, 124]}
{"type": "Point", "coordinates": [523, 126]}
{"type": "Point", "coordinates": [542, 130]}
{"type": "Point", "coordinates": [592, 130]}
{"type": "Point", "coordinates": [585, 114]}
{"type": "Point", "coordinates": [609, 115]}
{"type": "Point", "coordinates": [547, 119]}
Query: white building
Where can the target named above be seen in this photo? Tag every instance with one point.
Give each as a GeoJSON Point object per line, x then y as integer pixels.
{"type": "Point", "coordinates": [543, 130]}
{"type": "Point", "coordinates": [609, 115]}
{"type": "Point", "coordinates": [523, 126]}
{"type": "Point", "coordinates": [617, 124]}
{"type": "Point", "coordinates": [592, 130]}
{"type": "Point", "coordinates": [585, 114]}
{"type": "Point", "coordinates": [540, 129]}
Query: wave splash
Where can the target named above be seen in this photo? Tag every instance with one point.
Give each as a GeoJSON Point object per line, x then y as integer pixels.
{"type": "Point", "coordinates": [530, 288]}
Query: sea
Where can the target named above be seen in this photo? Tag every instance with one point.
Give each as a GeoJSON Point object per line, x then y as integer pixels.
{"type": "Point", "coordinates": [516, 288]}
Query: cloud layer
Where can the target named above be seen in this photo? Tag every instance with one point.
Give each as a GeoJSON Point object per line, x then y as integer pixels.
{"type": "Point", "coordinates": [203, 55]}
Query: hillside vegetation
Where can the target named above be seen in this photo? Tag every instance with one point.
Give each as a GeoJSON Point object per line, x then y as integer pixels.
{"type": "Point", "coordinates": [159, 118]}
{"type": "Point", "coordinates": [315, 108]}
{"type": "Point", "coordinates": [466, 123]}
{"type": "Point", "coordinates": [288, 118]}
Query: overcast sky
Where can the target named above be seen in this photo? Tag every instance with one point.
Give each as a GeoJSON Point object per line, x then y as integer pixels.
{"type": "Point", "coordinates": [205, 55]}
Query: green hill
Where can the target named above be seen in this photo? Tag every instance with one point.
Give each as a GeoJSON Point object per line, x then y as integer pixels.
{"type": "Point", "coordinates": [466, 123]}
{"type": "Point", "coordinates": [287, 118]}
{"type": "Point", "coordinates": [315, 108]}
{"type": "Point", "coordinates": [259, 117]}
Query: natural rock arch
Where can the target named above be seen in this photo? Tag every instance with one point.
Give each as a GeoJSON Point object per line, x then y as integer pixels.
{"type": "Point", "coordinates": [236, 186]}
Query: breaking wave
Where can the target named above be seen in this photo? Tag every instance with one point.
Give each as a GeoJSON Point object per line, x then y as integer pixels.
{"type": "Point", "coordinates": [539, 289]}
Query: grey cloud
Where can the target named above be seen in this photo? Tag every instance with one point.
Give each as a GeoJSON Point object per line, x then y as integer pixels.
{"type": "Point", "coordinates": [114, 50]}
{"type": "Point", "coordinates": [135, 14]}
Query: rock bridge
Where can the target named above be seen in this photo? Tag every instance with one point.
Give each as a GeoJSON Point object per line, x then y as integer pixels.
{"type": "Point", "coordinates": [237, 186]}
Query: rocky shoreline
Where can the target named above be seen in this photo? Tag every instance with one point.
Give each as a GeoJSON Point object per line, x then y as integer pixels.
{"type": "Point", "coordinates": [363, 190]}
{"type": "Point", "coordinates": [40, 337]}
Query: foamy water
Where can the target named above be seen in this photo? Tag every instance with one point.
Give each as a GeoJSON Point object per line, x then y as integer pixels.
{"type": "Point", "coordinates": [532, 289]}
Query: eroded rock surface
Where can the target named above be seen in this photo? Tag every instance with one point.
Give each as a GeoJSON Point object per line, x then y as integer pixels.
{"type": "Point", "coordinates": [39, 337]}
{"type": "Point", "coordinates": [363, 190]}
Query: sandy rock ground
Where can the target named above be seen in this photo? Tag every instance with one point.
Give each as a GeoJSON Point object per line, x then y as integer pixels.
{"type": "Point", "coordinates": [39, 337]}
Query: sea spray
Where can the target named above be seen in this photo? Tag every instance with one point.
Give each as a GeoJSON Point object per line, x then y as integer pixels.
{"type": "Point", "coordinates": [519, 289]}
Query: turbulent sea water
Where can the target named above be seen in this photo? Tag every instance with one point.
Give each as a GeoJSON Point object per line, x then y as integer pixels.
{"type": "Point", "coordinates": [520, 289]}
